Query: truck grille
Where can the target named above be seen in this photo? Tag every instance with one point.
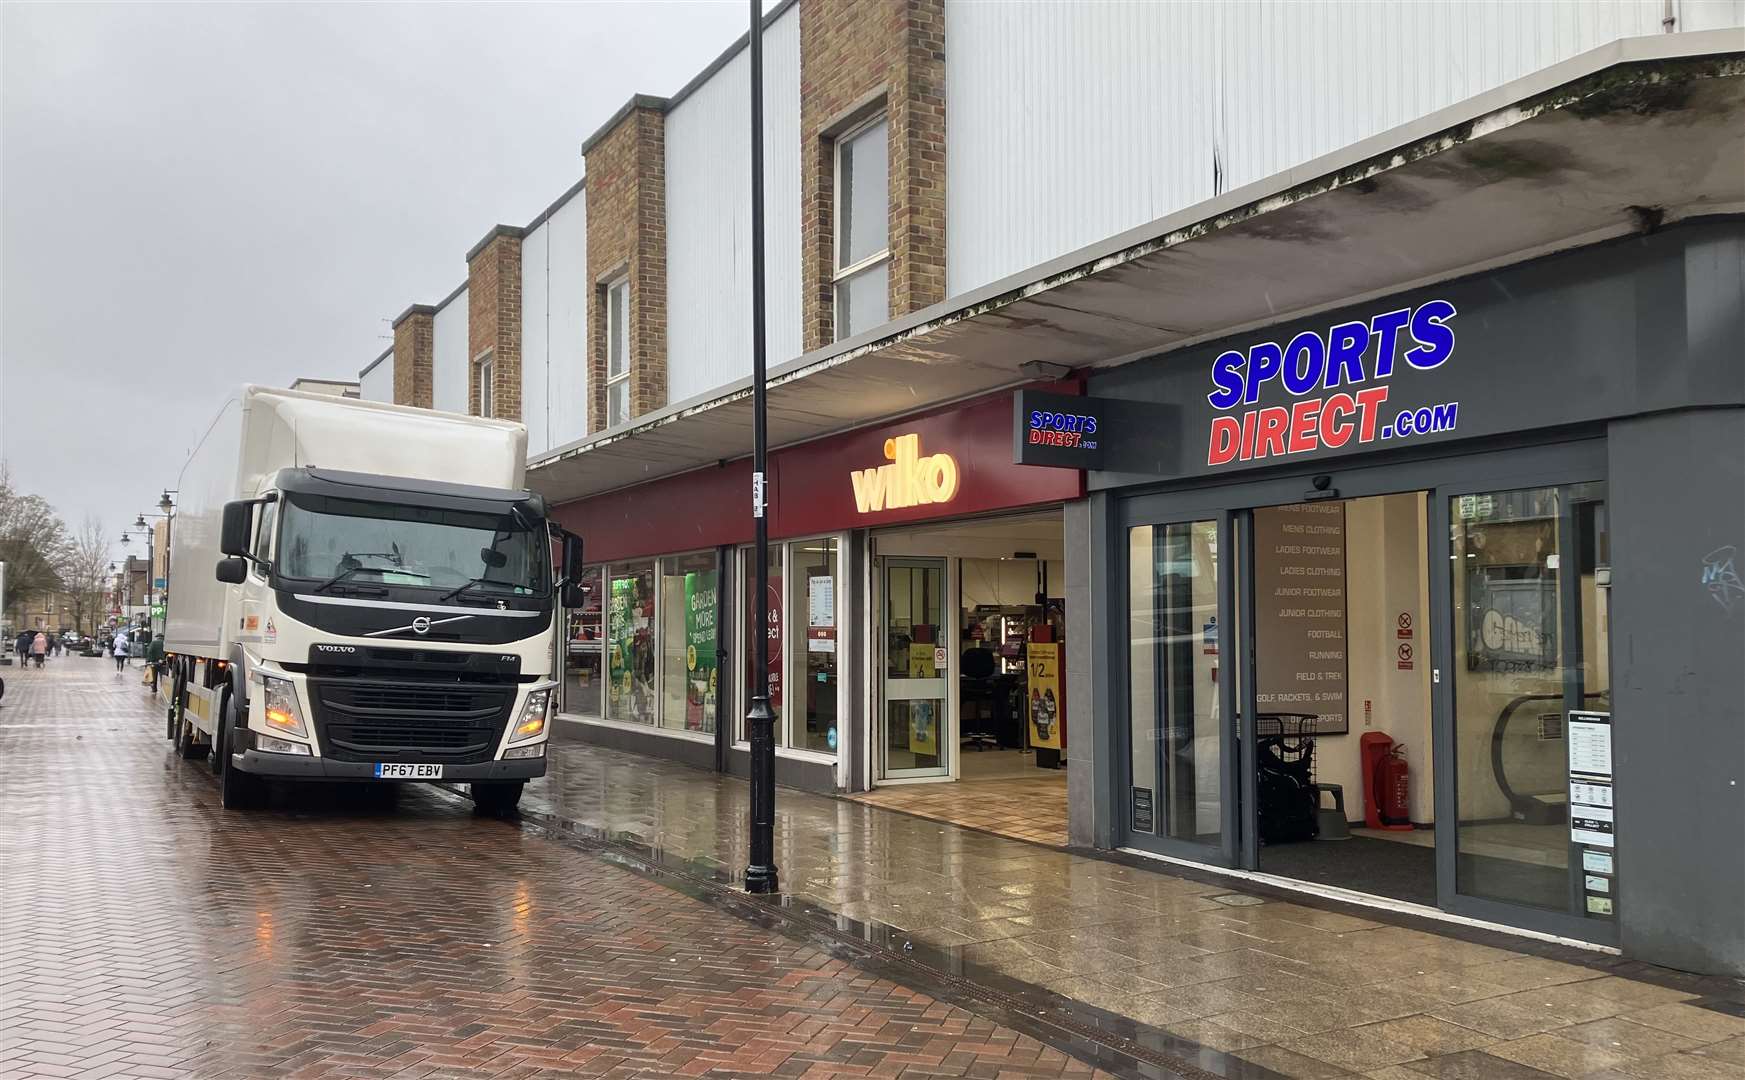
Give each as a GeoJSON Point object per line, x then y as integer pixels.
{"type": "Point", "coordinates": [359, 720]}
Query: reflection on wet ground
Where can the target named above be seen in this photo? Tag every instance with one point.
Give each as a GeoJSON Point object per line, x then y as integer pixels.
{"type": "Point", "coordinates": [1168, 961]}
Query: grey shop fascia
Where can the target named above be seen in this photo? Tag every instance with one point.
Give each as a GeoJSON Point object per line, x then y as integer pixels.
{"type": "Point", "coordinates": [1620, 365]}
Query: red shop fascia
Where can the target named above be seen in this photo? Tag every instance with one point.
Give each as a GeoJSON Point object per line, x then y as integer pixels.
{"type": "Point", "coordinates": [833, 484]}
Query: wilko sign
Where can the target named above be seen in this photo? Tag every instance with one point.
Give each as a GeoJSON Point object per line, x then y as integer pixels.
{"type": "Point", "coordinates": [1310, 368]}
{"type": "Point", "coordinates": [910, 478]}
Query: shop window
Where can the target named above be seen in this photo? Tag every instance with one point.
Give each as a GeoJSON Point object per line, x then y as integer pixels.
{"type": "Point", "coordinates": [618, 353]}
{"type": "Point", "coordinates": [812, 654]}
{"type": "Point", "coordinates": [584, 649]}
{"type": "Point", "coordinates": [769, 611]}
{"type": "Point", "coordinates": [863, 251]}
{"type": "Point", "coordinates": [802, 615]}
{"type": "Point", "coordinates": [688, 602]}
{"type": "Point", "coordinates": [630, 644]}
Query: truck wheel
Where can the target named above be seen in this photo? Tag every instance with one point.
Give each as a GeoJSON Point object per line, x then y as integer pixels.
{"type": "Point", "coordinates": [237, 790]}
{"type": "Point", "coordinates": [497, 797]}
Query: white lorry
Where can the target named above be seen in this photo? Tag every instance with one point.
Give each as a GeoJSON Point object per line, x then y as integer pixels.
{"type": "Point", "coordinates": [361, 591]}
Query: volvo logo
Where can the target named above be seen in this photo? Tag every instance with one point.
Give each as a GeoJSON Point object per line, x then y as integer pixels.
{"type": "Point", "coordinates": [336, 648]}
{"type": "Point", "coordinates": [420, 626]}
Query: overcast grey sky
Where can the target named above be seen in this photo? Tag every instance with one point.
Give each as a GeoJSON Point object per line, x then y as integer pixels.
{"type": "Point", "coordinates": [194, 196]}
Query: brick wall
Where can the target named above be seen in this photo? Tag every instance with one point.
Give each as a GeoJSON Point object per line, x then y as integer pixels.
{"type": "Point", "coordinates": [854, 53]}
{"type": "Point", "coordinates": [626, 166]}
{"type": "Point", "coordinates": [414, 355]}
{"type": "Point", "coordinates": [494, 320]}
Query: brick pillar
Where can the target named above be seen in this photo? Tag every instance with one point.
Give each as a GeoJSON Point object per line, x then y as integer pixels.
{"type": "Point", "coordinates": [858, 57]}
{"type": "Point", "coordinates": [626, 167]}
{"type": "Point", "coordinates": [494, 320]}
{"type": "Point", "coordinates": [414, 355]}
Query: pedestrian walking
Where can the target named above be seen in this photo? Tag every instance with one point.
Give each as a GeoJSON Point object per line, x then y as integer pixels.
{"type": "Point", "coordinates": [120, 648]}
{"type": "Point", "coordinates": [23, 646]}
{"type": "Point", "coordinates": [39, 647]}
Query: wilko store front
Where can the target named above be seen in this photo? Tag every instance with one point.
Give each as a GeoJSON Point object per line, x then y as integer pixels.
{"type": "Point", "coordinates": [916, 615]}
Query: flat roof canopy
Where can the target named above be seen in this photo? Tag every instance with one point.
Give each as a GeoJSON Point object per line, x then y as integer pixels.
{"type": "Point", "coordinates": [1623, 138]}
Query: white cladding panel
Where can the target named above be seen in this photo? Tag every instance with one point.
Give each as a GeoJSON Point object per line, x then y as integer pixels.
{"type": "Point", "coordinates": [708, 205]}
{"type": "Point", "coordinates": [1068, 123]}
{"type": "Point", "coordinates": [378, 383]}
{"type": "Point", "coordinates": [448, 367]}
{"type": "Point", "coordinates": [566, 334]}
{"type": "Point", "coordinates": [535, 354]}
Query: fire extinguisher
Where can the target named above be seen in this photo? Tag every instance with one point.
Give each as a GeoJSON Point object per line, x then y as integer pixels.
{"type": "Point", "coordinates": [1393, 788]}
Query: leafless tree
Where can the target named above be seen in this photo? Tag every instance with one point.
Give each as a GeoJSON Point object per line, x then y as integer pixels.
{"type": "Point", "coordinates": [84, 571]}
{"type": "Point", "coordinates": [33, 543]}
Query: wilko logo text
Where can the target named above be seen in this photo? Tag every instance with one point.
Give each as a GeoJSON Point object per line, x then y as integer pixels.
{"type": "Point", "coordinates": [1349, 354]}
{"type": "Point", "coordinates": [910, 479]}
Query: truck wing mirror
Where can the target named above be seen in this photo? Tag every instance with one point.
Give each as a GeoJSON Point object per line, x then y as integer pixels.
{"type": "Point", "coordinates": [493, 558]}
{"type": "Point", "coordinates": [574, 596]}
{"type": "Point", "coordinates": [233, 570]}
{"type": "Point", "coordinates": [233, 533]}
{"type": "Point", "coordinates": [572, 559]}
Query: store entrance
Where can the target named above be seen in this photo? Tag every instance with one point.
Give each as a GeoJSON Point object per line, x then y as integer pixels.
{"type": "Point", "coordinates": [972, 705]}
{"type": "Point", "coordinates": [1343, 761]}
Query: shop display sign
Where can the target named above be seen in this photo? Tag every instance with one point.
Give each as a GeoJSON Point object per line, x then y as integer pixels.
{"type": "Point", "coordinates": [1337, 381]}
{"type": "Point", "coordinates": [1060, 430]}
{"type": "Point", "coordinates": [701, 680]}
{"type": "Point", "coordinates": [1592, 809]}
{"type": "Point", "coordinates": [1047, 702]}
{"type": "Point", "coordinates": [1299, 583]}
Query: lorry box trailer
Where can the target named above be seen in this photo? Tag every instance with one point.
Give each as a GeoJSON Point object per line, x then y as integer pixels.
{"type": "Point", "coordinates": [362, 591]}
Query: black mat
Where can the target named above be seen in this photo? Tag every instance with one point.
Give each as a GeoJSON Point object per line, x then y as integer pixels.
{"type": "Point", "coordinates": [1382, 867]}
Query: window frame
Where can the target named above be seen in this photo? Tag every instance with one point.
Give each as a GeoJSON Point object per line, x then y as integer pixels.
{"type": "Point", "coordinates": [613, 318]}
{"type": "Point", "coordinates": [840, 274]}
{"type": "Point", "coordinates": [485, 372]}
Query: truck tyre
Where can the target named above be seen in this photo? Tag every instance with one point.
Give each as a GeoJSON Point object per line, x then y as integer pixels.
{"type": "Point", "coordinates": [237, 790]}
{"type": "Point", "coordinates": [498, 798]}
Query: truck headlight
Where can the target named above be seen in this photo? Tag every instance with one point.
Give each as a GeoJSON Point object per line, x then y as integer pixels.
{"type": "Point", "coordinates": [532, 722]}
{"type": "Point", "coordinates": [282, 712]}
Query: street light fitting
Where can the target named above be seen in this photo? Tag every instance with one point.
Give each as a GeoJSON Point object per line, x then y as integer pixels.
{"type": "Point", "coordinates": [139, 522]}
{"type": "Point", "coordinates": [166, 504]}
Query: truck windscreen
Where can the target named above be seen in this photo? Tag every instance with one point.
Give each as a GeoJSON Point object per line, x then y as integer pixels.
{"type": "Point", "coordinates": [332, 540]}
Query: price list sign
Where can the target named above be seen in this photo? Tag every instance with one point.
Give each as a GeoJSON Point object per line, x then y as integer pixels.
{"type": "Point", "coordinates": [1592, 810]}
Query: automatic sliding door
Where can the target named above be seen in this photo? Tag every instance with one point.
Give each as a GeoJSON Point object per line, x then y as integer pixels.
{"type": "Point", "coordinates": [1177, 741]}
{"type": "Point", "coordinates": [1530, 702]}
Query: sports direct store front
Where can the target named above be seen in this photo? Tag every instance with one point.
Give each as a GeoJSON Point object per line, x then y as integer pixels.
{"type": "Point", "coordinates": [912, 564]}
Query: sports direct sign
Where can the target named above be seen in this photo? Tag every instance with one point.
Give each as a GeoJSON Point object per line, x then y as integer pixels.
{"type": "Point", "coordinates": [1337, 379]}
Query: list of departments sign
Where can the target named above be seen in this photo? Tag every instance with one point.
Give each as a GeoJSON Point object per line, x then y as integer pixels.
{"type": "Point", "coordinates": [1300, 636]}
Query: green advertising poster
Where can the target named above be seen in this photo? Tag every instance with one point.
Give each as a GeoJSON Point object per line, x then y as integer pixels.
{"type": "Point", "coordinates": [700, 675]}
{"type": "Point", "coordinates": [620, 632]}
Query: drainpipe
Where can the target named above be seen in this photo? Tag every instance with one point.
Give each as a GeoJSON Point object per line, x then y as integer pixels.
{"type": "Point", "coordinates": [1669, 17]}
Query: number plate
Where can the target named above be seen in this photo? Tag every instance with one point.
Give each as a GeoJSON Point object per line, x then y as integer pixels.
{"type": "Point", "coordinates": [408, 772]}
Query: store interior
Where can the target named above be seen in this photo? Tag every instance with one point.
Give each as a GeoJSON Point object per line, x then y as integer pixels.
{"type": "Point", "coordinates": [1344, 704]}
{"type": "Point", "coordinates": [1006, 671]}
{"type": "Point", "coordinates": [1342, 689]}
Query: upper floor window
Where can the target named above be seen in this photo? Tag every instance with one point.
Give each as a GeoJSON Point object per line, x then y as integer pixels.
{"type": "Point", "coordinates": [487, 399]}
{"type": "Point", "coordinates": [618, 353]}
{"type": "Point", "coordinates": [863, 228]}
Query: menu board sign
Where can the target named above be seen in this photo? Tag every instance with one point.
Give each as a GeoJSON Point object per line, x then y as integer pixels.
{"type": "Point", "coordinates": [1300, 634]}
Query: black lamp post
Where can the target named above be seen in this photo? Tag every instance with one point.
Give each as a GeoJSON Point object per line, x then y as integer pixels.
{"type": "Point", "coordinates": [760, 721]}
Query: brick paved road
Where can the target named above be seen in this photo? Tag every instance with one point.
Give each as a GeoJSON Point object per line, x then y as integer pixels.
{"type": "Point", "coordinates": [143, 932]}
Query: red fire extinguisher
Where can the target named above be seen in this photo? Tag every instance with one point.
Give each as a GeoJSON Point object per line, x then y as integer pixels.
{"type": "Point", "coordinates": [1393, 788]}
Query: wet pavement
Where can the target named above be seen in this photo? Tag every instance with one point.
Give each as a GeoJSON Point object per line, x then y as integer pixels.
{"type": "Point", "coordinates": [1176, 967]}
{"type": "Point", "coordinates": [146, 933]}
